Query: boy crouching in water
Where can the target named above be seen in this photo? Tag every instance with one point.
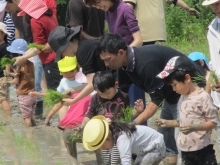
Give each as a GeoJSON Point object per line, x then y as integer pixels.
{"type": "Point", "coordinates": [197, 113]}
{"type": "Point", "coordinates": [24, 81]}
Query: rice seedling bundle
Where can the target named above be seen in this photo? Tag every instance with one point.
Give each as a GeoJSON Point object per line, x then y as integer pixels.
{"type": "Point", "coordinates": [127, 115]}
{"type": "Point", "coordinates": [6, 61]}
{"type": "Point", "coordinates": [52, 97]}
{"type": "Point", "coordinates": [33, 45]}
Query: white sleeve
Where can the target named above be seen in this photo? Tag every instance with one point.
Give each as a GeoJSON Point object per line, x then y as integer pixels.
{"type": "Point", "coordinates": [60, 87]}
{"type": "Point", "coordinates": [124, 144]}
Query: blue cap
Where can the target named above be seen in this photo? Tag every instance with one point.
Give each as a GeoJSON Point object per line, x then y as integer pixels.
{"type": "Point", "coordinates": [194, 56]}
{"type": "Point", "coordinates": [18, 46]}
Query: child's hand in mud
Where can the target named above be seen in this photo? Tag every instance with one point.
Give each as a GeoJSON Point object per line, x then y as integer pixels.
{"type": "Point", "coordinates": [161, 122]}
{"type": "Point", "coordinates": [188, 129]}
{"type": "Point", "coordinates": [47, 121]}
{"type": "Point", "coordinates": [139, 105]}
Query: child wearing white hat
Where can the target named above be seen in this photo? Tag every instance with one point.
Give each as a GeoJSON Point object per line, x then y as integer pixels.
{"type": "Point", "coordinates": [143, 141]}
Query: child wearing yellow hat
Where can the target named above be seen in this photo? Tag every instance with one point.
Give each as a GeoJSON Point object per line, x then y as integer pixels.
{"type": "Point", "coordinates": [143, 141]}
{"type": "Point", "coordinates": [70, 116]}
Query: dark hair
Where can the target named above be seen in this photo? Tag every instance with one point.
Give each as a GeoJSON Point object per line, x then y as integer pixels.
{"type": "Point", "coordinates": [117, 128]}
{"type": "Point", "coordinates": [9, 1]}
{"type": "Point", "coordinates": [178, 76]}
{"type": "Point", "coordinates": [205, 65]}
{"type": "Point", "coordinates": [49, 12]}
{"type": "Point", "coordinates": [94, 2]}
{"type": "Point", "coordinates": [103, 80]}
{"type": "Point", "coordinates": [110, 43]}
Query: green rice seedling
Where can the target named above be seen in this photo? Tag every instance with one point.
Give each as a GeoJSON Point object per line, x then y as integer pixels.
{"type": "Point", "coordinates": [33, 45]}
{"type": "Point", "coordinates": [6, 61]}
{"type": "Point", "coordinates": [77, 134]}
{"type": "Point", "coordinates": [199, 78]}
{"type": "Point", "coordinates": [52, 97]}
{"type": "Point", "coordinates": [127, 115]}
{"type": "Point", "coordinates": [214, 78]}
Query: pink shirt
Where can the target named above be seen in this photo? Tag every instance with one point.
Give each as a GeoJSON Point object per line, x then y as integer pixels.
{"type": "Point", "coordinates": [196, 108]}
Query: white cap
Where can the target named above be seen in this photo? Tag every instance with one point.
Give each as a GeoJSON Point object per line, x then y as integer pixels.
{"type": "Point", "coordinates": [3, 4]}
{"type": "Point", "coordinates": [209, 2]}
{"type": "Point", "coordinates": [3, 28]}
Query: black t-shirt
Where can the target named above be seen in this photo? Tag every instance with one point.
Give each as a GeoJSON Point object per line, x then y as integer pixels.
{"type": "Point", "coordinates": [150, 60]}
{"type": "Point", "coordinates": [90, 18]}
{"type": "Point", "coordinates": [87, 57]}
{"type": "Point", "coordinates": [109, 108]}
{"type": "Point", "coordinates": [3, 53]}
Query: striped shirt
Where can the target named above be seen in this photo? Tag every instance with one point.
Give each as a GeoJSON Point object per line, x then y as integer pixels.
{"type": "Point", "coordinates": [10, 27]}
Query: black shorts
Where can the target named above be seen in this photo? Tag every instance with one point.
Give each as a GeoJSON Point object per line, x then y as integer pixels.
{"type": "Point", "coordinates": [52, 75]}
{"type": "Point", "coordinates": [205, 156]}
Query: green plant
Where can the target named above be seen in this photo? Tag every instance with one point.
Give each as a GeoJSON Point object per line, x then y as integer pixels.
{"type": "Point", "coordinates": [52, 97]}
{"type": "Point", "coordinates": [33, 45]}
{"type": "Point", "coordinates": [127, 115]}
{"type": "Point", "coordinates": [214, 78]}
{"type": "Point", "coordinates": [6, 61]}
{"type": "Point", "coordinates": [199, 78]}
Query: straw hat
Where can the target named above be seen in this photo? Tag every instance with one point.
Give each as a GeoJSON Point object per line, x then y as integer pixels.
{"type": "Point", "coordinates": [95, 133]}
{"type": "Point", "coordinates": [68, 63]}
{"type": "Point", "coordinates": [209, 2]}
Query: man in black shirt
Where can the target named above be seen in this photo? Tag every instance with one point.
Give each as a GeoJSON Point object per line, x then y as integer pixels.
{"type": "Point", "coordinates": [141, 65]}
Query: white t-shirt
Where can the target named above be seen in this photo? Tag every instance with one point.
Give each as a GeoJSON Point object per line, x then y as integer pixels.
{"type": "Point", "coordinates": [143, 140]}
{"type": "Point", "coordinates": [66, 84]}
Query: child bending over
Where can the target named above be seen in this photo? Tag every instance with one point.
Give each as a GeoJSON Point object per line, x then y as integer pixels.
{"type": "Point", "coordinates": [145, 142]}
{"type": "Point", "coordinates": [109, 102]}
{"type": "Point", "coordinates": [197, 113]}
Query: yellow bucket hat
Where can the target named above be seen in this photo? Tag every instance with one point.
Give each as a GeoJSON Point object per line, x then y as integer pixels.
{"type": "Point", "coordinates": [67, 64]}
{"type": "Point", "coordinates": [95, 133]}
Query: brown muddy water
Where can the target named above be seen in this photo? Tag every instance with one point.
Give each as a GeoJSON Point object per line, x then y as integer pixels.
{"type": "Point", "coordinates": [41, 145]}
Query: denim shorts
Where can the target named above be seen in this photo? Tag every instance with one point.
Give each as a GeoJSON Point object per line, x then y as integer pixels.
{"type": "Point", "coordinates": [169, 112]}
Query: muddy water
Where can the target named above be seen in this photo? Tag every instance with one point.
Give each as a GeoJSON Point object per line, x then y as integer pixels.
{"type": "Point", "coordinates": [41, 145]}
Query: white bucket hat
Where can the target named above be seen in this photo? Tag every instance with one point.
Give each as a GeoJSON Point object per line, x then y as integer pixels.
{"type": "Point", "coordinates": [95, 133]}
{"type": "Point", "coordinates": [3, 28]}
{"type": "Point", "coordinates": [209, 2]}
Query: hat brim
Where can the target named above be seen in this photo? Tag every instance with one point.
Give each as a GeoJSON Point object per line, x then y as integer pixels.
{"type": "Point", "coordinates": [106, 125]}
{"type": "Point", "coordinates": [2, 6]}
{"type": "Point", "coordinates": [67, 69]}
{"type": "Point", "coordinates": [11, 50]}
{"type": "Point", "coordinates": [61, 48]}
{"type": "Point", "coordinates": [165, 73]}
{"type": "Point", "coordinates": [209, 2]}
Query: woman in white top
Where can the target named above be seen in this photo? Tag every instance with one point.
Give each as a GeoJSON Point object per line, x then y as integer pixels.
{"type": "Point", "coordinates": [142, 141]}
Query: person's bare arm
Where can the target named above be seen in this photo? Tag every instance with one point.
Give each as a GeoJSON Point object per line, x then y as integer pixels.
{"type": "Point", "coordinates": [137, 39]}
{"type": "Point", "coordinates": [85, 92]}
{"type": "Point", "coordinates": [17, 34]}
{"type": "Point", "coordinates": [167, 123]}
{"type": "Point", "coordinates": [197, 127]}
{"type": "Point", "coordinates": [85, 121]}
{"type": "Point", "coordinates": [183, 5]}
{"type": "Point", "coordinates": [149, 111]}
